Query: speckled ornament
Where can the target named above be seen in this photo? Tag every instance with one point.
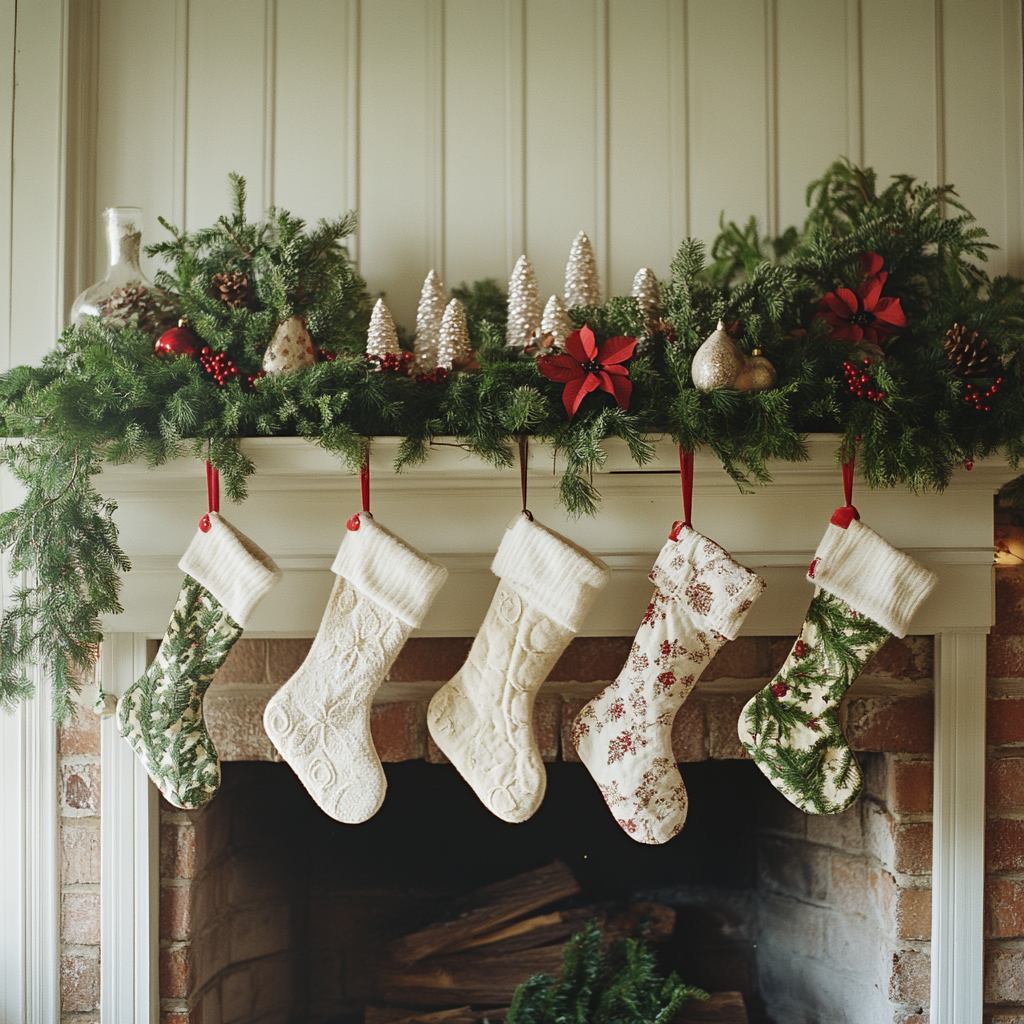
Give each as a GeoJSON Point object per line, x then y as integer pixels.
{"type": "Point", "coordinates": [757, 374]}
{"type": "Point", "coordinates": [290, 349]}
{"type": "Point", "coordinates": [718, 362]}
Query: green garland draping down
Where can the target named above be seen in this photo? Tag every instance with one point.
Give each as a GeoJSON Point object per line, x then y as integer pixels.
{"type": "Point", "coordinates": [103, 395]}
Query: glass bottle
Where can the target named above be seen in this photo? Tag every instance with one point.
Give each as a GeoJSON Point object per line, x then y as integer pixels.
{"type": "Point", "coordinates": [125, 295]}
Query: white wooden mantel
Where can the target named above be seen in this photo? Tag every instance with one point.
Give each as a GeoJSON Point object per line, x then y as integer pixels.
{"type": "Point", "coordinates": [454, 508]}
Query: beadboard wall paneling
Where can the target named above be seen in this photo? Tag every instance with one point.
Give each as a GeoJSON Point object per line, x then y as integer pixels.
{"type": "Point", "coordinates": [468, 131]}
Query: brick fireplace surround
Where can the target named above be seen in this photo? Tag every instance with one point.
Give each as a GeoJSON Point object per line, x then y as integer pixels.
{"type": "Point", "coordinates": [820, 874]}
{"type": "Point", "coordinates": [840, 891]}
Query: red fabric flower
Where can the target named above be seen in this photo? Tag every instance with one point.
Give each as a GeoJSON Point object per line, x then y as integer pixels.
{"type": "Point", "coordinates": [587, 366]}
{"type": "Point", "coordinates": [863, 315]}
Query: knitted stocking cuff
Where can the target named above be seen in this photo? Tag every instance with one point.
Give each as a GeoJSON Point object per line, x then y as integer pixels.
{"type": "Point", "coordinates": [548, 570]}
{"type": "Point", "coordinates": [388, 571]}
{"type": "Point", "coordinates": [231, 567]}
{"type": "Point", "coordinates": [871, 576]}
{"type": "Point", "coordinates": [711, 584]}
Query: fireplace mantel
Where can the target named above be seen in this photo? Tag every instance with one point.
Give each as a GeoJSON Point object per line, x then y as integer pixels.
{"type": "Point", "coordinates": [454, 507]}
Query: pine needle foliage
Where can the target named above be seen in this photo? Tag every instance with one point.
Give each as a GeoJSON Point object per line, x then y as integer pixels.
{"type": "Point", "coordinates": [620, 985]}
{"type": "Point", "coordinates": [102, 396]}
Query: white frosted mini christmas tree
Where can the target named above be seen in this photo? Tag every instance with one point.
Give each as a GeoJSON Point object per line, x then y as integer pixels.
{"type": "Point", "coordinates": [428, 323]}
{"type": "Point", "coordinates": [555, 321]}
{"type": "Point", "coordinates": [524, 308]}
{"type": "Point", "coordinates": [647, 292]}
{"type": "Point", "coordinates": [453, 344]}
{"type": "Point", "coordinates": [581, 285]}
{"type": "Point", "coordinates": [382, 338]}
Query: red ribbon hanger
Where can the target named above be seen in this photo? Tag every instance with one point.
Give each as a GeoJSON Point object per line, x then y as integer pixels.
{"type": "Point", "coordinates": [686, 479]}
{"type": "Point", "coordinates": [845, 515]}
{"type": "Point", "coordinates": [212, 494]}
{"type": "Point", "coordinates": [364, 491]}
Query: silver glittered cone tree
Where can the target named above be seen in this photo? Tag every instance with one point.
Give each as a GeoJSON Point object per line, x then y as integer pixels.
{"type": "Point", "coordinates": [524, 308]}
{"type": "Point", "coordinates": [382, 338]}
{"type": "Point", "coordinates": [555, 321]}
{"type": "Point", "coordinates": [290, 349]}
{"type": "Point", "coordinates": [647, 293]}
{"type": "Point", "coordinates": [453, 344]}
{"type": "Point", "coordinates": [581, 285]}
{"type": "Point", "coordinates": [428, 323]}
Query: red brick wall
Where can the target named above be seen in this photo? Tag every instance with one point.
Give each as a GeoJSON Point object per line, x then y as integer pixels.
{"type": "Point", "coordinates": [1004, 837]}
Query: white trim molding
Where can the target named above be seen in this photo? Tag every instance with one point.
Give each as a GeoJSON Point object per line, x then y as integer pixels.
{"type": "Point", "coordinates": [129, 850]}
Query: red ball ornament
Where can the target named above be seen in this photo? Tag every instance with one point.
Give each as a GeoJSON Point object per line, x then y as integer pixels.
{"type": "Point", "coordinates": [178, 341]}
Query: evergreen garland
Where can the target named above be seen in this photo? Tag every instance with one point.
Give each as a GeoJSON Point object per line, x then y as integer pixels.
{"type": "Point", "coordinates": [598, 986]}
{"type": "Point", "coordinates": [102, 395]}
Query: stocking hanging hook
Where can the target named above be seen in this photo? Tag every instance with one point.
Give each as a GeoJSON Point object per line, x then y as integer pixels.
{"type": "Point", "coordinates": [524, 455]}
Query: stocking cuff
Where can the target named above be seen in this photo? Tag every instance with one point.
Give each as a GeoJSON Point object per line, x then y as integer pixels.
{"type": "Point", "coordinates": [231, 567]}
{"type": "Point", "coordinates": [549, 571]}
{"type": "Point", "coordinates": [390, 572]}
{"type": "Point", "coordinates": [871, 576]}
{"type": "Point", "coordinates": [705, 577]}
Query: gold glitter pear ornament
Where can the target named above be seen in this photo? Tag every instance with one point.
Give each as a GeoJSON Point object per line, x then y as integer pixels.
{"type": "Point", "coordinates": [718, 362]}
{"type": "Point", "coordinates": [290, 349]}
{"type": "Point", "coordinates": [757, 374]}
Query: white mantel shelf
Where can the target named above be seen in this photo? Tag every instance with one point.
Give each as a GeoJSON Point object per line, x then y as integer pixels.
{"type": "Point", "coordinates": [455, 506]}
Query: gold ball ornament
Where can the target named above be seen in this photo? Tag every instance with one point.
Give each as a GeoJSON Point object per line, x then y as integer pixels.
{"type": "Point", "coordinates": [718, 362]}
{"type": "Point", "coordinates": [290, 349]}
{"type": "Point", "coordinates": [757, 374]}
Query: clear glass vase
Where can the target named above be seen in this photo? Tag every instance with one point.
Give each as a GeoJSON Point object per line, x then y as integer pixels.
{"type": "Point", "coordinates": [125, 296]}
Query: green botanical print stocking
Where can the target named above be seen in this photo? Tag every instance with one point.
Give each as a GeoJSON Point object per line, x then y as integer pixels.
{"type": "Point", "coordinates": [161, 715]}
{"type": "Point", "coordinates": [791, 728]}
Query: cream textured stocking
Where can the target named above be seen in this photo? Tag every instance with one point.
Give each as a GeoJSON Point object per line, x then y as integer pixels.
{"type": "Point", "coordinates": [624, 735]}
{"type": "Point", "coordinates": [483, 719]}
{"type": "Point", "coordinates": [320, 719]}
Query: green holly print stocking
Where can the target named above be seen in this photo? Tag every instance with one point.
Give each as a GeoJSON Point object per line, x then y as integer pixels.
{"type": "Point", "coordinates": [161, 715]}
{"type": "Point", "coordinates": [791, 727]}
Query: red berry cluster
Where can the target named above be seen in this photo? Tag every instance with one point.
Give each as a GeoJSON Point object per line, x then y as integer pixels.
{"type": "Point", "coordinates": [436, 376]}
{"type": "Point", "coordinates": [800, 649]}
{"type": "Point", "coordinates": [858, 382]}
{"type": "Point", "coordinates": [323, 356]}
{"type": "Point", "coordinates": [391, 363]}
{"type": "Point", "coordinates": [218, 365]}
{"type": "Point", "coordinates": [980, 399]}
{"type": "Point", "coordinates": [780, 689]}
{"type": "Point", "coordinates": [251, 381]}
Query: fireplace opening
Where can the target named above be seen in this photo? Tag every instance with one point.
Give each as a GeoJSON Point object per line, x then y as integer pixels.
{"type": "Point", "coordinates": [285, 909]}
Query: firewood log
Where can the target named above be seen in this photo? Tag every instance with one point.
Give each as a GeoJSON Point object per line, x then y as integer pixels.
{"type": "Point", "coordinates": [486, 910]}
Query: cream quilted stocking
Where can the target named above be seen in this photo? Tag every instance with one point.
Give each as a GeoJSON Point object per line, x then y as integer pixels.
{"type": "Point", "coordinates": [624, 735]}
{"type": "Point", "coordinates": [320, 719]}
{"type": "Point", "coordinates": [483, 719]}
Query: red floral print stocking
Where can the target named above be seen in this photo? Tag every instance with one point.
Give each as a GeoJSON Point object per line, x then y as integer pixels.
{"type": "Point", "coordinates": [624, 735]}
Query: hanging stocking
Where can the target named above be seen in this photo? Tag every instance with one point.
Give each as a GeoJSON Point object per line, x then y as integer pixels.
{"type": "Point", "coordinates": [483, 719]}
{"type": "Point", "coordinates": [320, 719]}
{"type": "Point", "coordinates": [866, 591]}
{"type": "Point", "coordinates": [161, 715]}
{"type": "Point", "coordinates": [624, 735]}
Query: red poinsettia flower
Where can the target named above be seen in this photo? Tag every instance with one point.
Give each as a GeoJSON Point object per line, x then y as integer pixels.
{"type": "Point", "coordinates": [587, 366]}
{"type": "Point", "coordinates": [863, 315]}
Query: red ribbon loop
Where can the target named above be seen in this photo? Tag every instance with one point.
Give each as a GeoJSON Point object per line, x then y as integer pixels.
{"type": "Point", "coordinates": [212, 495]}
{"type": "Point", "coordinates": [842, 517]}
{"type": "Point", "coordinates": [364, 482]}
{"type": "Point", "coordinates": [686, 475]}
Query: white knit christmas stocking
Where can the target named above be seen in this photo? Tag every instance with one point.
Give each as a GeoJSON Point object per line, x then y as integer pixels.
{"type": "Point", "coordinates": [161, 715]}
{"type": "Point", "coordinates": [483, 719]}
{"type": "Point", "coordinates": [866, 590]}
{"type": "Point", "coordinates": [320, 719]}
{"type": "Point", "coordinates": [624, 735]}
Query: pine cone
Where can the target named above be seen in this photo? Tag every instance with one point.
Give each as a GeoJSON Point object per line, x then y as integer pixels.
{"type": "Point", "coordinates": [969, 355]}
{"type": "Point", "coordinates": [232, 288]}
{"type": "Point", "coordinates": [148, 308]}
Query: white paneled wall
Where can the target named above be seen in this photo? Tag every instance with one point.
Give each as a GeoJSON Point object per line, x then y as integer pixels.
{"type": "Point", "coordinates": [468, 131]}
